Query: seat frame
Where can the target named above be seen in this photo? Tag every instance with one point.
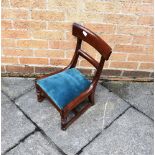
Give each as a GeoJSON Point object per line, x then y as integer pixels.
{"type": "Point", "coordinates": [82, 34]}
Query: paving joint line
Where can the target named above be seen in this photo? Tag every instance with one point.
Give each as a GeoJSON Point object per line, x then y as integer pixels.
{"type": "Point", "coordinates": [134, 107]}
{"type": "Point", "coordinates": [138, 110]}
{"type": "Point", "coordinates": [51, 142]}
{"type": "Point", "coordinates": [81, 150]}
{"type": "Point", "coordinates": [37, 127]}
{"type": "Point", "coordinates": [49, 139]}
{"type": "Point", "coordinates": [24, 93]}
{"type": "Point", "coordinates": [20, 141]}
{"type": "Point", "coordinates": [141, 112]}
{"type": "Point", "coordinates": [105, 128]}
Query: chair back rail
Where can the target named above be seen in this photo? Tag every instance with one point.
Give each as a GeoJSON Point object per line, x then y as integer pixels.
{"type": "Point", "coordinates": [88, 58]}
{"type": "Point", "coordinates": [92, 39]}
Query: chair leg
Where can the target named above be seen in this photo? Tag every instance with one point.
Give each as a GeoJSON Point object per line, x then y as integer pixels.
{"type": "Point", "coordinates": [66, 123]}
{"type": "Point", "coordinates": [91, 98]}
{"type": "Point", "coordinates": [40, 96]}
{"type": "Point", "coordinates": [63, 122]}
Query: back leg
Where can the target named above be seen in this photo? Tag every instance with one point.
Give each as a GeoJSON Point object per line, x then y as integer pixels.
{"type": "Point", "coordinates": [91, 98]}
{"type": "Point", "coordinates": [40, 95]}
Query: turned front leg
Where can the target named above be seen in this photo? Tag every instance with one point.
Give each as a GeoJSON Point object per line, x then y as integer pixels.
{"type": "Point", "coordinates": [63, 121]}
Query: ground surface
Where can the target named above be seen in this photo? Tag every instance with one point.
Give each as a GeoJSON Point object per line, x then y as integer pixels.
{"type": "Point", "coordinates": [120, 123]}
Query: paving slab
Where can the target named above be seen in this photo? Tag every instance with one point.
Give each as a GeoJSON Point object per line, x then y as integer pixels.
{"type": "Point", "coordinates": [131, 134]}
{"type": "Point", "coordinates": [139, 94]}
{"type": "Point", "coordinates": [14, 124]}
{"type": "Point", "coordinates": [82, 130]}
{"type": "Point", "coordinates": [14, 87]}
{"type": "Point", "coordinates": [35, 144]}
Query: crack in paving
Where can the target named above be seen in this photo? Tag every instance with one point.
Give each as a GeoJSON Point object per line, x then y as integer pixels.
{"type": "Point", "coordinates": [36, 125]}
{"type": "Point", "coordinates": [97, 135]}
{"type": "Point", "coordinates": [20, 141]}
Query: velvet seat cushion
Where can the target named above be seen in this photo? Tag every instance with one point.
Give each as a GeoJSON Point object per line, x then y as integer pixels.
{"type": "Point", "coordinates": [65, 86]}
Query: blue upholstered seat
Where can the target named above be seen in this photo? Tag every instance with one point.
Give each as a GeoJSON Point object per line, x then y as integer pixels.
{"type": "Point", "coordinates": [65, 86]}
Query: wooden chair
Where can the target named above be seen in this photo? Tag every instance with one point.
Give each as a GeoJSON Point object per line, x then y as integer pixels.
{"type": "Point", "coordinates": [67, 88]}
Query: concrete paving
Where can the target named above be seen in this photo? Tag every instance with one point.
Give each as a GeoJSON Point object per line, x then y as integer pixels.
{"type": "Point", "coordinates": [86, 127]}
{"type": "Point", "coordinates": [14, 87]}
{"type": "Point", "coordinates": [140, 95]}
{"type": "Point", "coordinates": [131, 134]}
{"type": "Point", "coordinates": [35, 144]}
{"type": "Point", "coordinates": [15, 125]}
{"type": "Point", "coordinates": [111, 118]}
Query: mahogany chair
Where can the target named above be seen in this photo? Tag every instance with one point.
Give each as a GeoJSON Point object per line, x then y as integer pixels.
{"type": "Point", "coordinates": [67, 88]}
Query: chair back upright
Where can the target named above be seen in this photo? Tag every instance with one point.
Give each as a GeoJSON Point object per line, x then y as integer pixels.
{"type": "Point", "coordinates": [86, 35]}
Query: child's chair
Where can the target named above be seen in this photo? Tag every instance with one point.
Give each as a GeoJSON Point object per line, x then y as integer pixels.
{"type": "Point", "coordinates": [67, 88]}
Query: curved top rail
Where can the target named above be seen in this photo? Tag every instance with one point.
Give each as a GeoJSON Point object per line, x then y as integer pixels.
{"type": "Point", "coordinates": [91, 38]}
